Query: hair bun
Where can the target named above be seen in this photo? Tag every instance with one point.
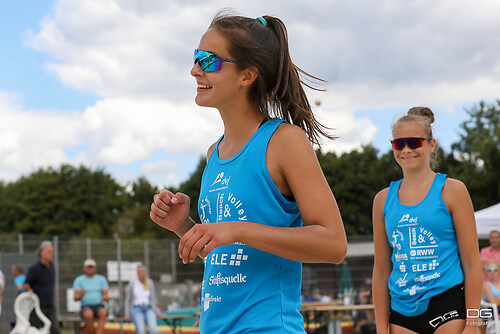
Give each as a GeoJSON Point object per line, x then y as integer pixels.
{"type": "Point", "coordinates": [423, 112]}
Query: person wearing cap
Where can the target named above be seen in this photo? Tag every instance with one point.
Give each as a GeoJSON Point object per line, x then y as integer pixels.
{"type": "Point", "coordinates": [41, 280]}
{"type": "Point", "coordinates": [91, 290]}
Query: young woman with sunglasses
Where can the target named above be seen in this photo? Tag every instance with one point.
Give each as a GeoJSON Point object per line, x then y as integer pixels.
{"type": "Point", "coordinates": [265, 205]}
{"type": "Point", "coordinates": [491, 289]}
{"type": "Point", "coordinates": [427, 270]}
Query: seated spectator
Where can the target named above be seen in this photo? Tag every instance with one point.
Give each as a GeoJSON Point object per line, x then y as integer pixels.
{"type": "Point", "coordinates": [307, 297]}
{"type": "Point", "coordinates": [491, 252]}
{"type": "Point", "coordinates": [141, 304]}
{"type": "Point", "coordinates": [491, 289]}
{"type": "Point", "coordinates": [92, 290]}
{"type": "Point", "coordinates": [173, 305]}
{"type": "Point", "coordinates": [360, 317]}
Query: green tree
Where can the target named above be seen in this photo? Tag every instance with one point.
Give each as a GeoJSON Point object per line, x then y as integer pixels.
{"type": "Point", "coordinates": [135, 221]}
{"type": "Point", "coordinates": [355, 177]}
{"type": "Point", "coordinates": [67, 202]}
{"type": "Point", "coordinates": [192, 187]}
{"type": "Point", "coordinates": [478, 154]}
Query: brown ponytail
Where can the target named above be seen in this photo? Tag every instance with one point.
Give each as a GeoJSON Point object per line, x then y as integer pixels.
{"type": "Point", "coordinates": [278, 90]}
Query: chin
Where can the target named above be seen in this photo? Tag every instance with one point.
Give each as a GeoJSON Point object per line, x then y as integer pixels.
{"type": "Point", "coordinates": [199, 102]}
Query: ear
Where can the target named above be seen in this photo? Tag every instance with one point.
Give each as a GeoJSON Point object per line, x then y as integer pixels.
{"type": "Point", "coordinates": [249, 76]}
{"type": "Point", "coordinates": [432, 144]}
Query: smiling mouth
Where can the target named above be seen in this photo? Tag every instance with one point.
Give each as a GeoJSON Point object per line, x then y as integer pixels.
{"type": "Point", "coordinates": [204, 86]}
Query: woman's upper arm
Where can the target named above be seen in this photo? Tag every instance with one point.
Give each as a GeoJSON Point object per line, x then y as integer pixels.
{"type": "Point", "coordinates": [457, 199]}
{"type": "Point", "coordinates": [295, 169]}
{"type": "Point", "coordinates": [383, 250]}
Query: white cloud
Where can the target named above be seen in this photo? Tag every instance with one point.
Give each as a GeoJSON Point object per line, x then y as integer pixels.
{"type": "Point", "coordinates": [120, 48]}
{"type": "Point", "coordinates": [136, 57]}
{"type": "Point", "coordinates": [122, 131]}
{"type": "Point", "coordinates": [166, 171]}
{"type": "Point", "coordinates": [352, 132]}
{"type": "Point", "coordinates": [113, 132]}
{"type": "Point", "coordinates": [31, 139]}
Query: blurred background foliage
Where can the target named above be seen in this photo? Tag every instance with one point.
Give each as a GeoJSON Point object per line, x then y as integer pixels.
{"type": "Point", "coordinates": [82, 202]}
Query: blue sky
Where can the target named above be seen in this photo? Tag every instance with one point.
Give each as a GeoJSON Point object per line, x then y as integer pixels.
{"type": "Point", "coordinates": [22, 67]}
{"type": "Point", "coordinates": [107, 84]}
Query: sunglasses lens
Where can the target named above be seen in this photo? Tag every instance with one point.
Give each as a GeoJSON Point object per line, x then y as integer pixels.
{"type": "Point", "coordinates": [492, 269]}
{"type": "Point", "coordinates": [397, 144]}
{"type": "Point", "coordinates": [413, 143]}
{"type": "Point", "coordinates": [207, 60]}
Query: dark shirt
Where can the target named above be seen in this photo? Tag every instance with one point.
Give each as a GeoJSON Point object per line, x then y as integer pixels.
{"type": "Point", "coordinates": [42, 280]}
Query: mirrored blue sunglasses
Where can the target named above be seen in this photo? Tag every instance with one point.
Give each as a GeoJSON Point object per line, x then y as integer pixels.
{"type": "Point", "coordinates": [208, 61]}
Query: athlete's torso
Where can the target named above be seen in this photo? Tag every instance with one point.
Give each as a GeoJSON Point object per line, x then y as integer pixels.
{"type": "Point", "coordinates": [425, 254]}
{"type": "Point", "coordinates": [246, 290]}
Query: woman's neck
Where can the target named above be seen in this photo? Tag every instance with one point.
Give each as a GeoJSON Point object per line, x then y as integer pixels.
{"type": "Point", "coordinates": [418, 177]}
{"type": "Point", "coordinates": [240, 123]}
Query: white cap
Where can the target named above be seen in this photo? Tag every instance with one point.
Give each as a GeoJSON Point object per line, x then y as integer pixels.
{"type": "Point", "coordinates": [89, 263]}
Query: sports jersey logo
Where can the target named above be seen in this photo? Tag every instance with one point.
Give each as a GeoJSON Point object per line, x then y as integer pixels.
{"type": "Point", "coordinates": [207, 299]}
{"type": "Point", "coordinates": [205, 204]}
{"type": "Point", "coordinates": [442, 318]}
{"type": "Point", "coordinates": [226, 280]}
{"type": "Point", "coordinates": [414, 289]}
{"type": "Point", "coordinates": [408, 220]}
{"type": "Point", "coordinates": [227, 208]}
{"type": "Point", "coordinates": [422, 252]}
{"type": "Point", "coordinates": [401, 256]}
{"type": "Point", "coordinates": [404, 218]}
{"type": "Point", "coordinates": [401, 282]}
{"type": "Point", "coordinates": [221, 181]}
{"type": "Point", "coordinates": [423, 278]}
{"type": "Point", "coordinates": [420, 238]}
{"type": "Point", "coordinates": [425, 266]}
{"type": "Point", "coordinates": [222, 260]}
{"type": "Point", "coordinates": [395, 234]}
{"type": "Point", "coordinates": [237, 258]}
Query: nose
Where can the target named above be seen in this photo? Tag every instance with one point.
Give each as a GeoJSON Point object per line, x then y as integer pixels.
{"type": "Point", "coordinates": [406, 147]}
{"type": "Point", "coordinates": [196, 70]}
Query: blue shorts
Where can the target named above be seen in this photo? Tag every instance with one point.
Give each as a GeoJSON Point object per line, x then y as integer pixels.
{"type": "Point", "coordinates": [447, 306]}
{"type": "Point", "coordinates": [95, 309]}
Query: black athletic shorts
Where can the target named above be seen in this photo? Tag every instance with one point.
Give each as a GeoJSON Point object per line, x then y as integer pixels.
{"type": "Point", "coordinates": [447, 306]}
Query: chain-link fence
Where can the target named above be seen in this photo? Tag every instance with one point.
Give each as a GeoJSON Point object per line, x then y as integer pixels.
{"type": "Point", "coordinates": [175, 282]}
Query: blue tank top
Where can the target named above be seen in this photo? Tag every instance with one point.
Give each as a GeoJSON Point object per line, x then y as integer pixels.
{"type": "Point", "coordinates": [245, 290]}
{"type": "Point", "coordinates": [425, 259]}
{"type": "Point", "coordinates": [494, 291]}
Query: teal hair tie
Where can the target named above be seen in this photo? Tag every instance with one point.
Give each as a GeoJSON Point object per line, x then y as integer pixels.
{"type": "Point", "coordinates": [263, 21]}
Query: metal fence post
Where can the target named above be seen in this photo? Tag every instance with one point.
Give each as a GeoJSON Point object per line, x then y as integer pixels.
{"type": "Point", "coordinates": [146, 255]}
{"type": "Point", "coordinates": [173, 258]}
{"type": "Point", "coordinates": [56, 266]}
{"type": "Point", "coordinates": [20, 243]}
{"type": "Point", "coordinates": [119, 259]}
{"type": "Point", "coordinates": [89, 247]}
